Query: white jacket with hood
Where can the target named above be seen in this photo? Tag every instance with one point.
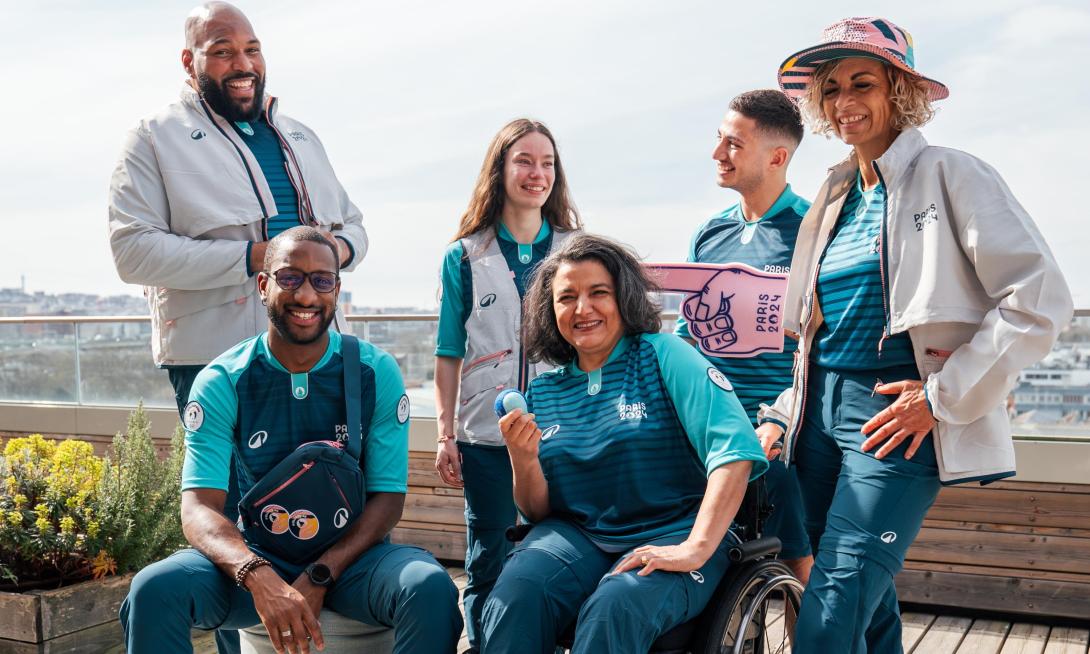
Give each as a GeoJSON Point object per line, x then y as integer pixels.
{"type": "Point", "coordinates": [967, 275]}
{"type": "Point", "coordinates": [187, 198]}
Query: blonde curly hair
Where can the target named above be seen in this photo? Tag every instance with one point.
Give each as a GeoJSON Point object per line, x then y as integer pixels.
{"type": "Point", "coordinates": [908, 95]}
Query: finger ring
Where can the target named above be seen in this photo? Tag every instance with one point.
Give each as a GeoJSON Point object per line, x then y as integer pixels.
{"type": "Point", "coordinates": [644, 560]}
{"type": "Point", "coordinates": [285, 634]}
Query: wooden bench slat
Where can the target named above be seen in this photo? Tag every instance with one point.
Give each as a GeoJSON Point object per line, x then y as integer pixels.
{"type": "Point", "coordinates": [1048, 509]}
{"type": "Point", "coordinates": [1059, 553]}
{"type": "Point", "coordinates": [986, 527]}
{"type": "Point", "coordinates": [1014, 573]}
{"type": "Point", "coordinates": [1008, 595]}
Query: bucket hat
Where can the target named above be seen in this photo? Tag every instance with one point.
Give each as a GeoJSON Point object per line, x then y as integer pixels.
{"type": "Point", "coordinates": [876, 38]}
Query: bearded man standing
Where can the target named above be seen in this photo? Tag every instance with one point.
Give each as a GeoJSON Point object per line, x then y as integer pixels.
{"type": "Point", "coordinates": [204, 184]}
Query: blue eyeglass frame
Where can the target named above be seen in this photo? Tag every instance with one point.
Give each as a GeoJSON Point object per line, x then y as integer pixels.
{"type": "Point", "coordinates": [305, 276]}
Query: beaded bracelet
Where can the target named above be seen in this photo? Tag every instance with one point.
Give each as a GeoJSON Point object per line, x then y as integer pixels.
{"type": "Point", "coordinates": [248, 567]}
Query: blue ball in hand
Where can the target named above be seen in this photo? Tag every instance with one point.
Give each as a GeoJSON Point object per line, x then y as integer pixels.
{"type": "Point", "coordinates": [508, 400]}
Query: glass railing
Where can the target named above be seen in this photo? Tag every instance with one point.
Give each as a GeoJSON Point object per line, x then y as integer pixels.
{"type": "Point", "coordinates": [106, 361]}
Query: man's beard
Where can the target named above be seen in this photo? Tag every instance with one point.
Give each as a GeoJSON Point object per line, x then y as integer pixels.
{"type": "Point", "coordinates": [280, 322]}
{"type": "Point", "coordinates": [217, 98]}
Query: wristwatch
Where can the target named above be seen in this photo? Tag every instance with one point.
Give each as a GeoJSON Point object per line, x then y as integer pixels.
{"type": "Point", "coordinates": [320, 574]}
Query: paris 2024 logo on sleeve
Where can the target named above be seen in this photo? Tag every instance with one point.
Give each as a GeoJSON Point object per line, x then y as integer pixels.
{"type": "Point", "coordinates": [732, 310]}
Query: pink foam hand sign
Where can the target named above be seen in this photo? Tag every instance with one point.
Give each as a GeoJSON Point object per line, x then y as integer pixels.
{"type": "Point", "coordinates": [733, 310]}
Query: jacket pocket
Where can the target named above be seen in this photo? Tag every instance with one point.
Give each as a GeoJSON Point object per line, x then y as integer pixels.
{"type": "Point", "coordinates": [175, 303]}
{"type": "Point", "coordinates": [984, 444]}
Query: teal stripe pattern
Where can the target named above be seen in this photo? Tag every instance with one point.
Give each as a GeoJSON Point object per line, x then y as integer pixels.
{"type": "Point", "coordinates": [766, 244]}
{"type": "Point", "coordinates": [850, 291]}
{"type": "Point", "coordinates": [618, 464]}
{"type": "Point", "coordinates": [265, 147]}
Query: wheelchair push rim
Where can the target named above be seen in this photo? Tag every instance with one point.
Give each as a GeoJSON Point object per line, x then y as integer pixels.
{"type": "Point", "coordinates": [741, 624]}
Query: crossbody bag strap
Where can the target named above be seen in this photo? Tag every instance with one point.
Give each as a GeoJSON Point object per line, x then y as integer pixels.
{"type": "Point", "coordinates": [350, 354]}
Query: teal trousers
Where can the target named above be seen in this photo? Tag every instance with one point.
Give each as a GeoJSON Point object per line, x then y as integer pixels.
{"type": "Point", "coordinates": [862, 514]}
{"type": "Point", "coordinates": [390, 585]}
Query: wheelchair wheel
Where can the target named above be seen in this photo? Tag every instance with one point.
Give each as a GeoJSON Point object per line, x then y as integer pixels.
{"type": "Point", "coordinates": [754, 613]}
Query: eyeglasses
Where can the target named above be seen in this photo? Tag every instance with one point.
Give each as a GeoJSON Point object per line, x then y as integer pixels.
{"type": "Point", "coordinates": [291, 279]}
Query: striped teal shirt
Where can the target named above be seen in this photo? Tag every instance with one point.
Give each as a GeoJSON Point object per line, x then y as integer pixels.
{"type": "Point", "coordinates": [626, 449]}
{"type": "Point", "coordinates": [850, 291]}
{"type": "Point", "coordinates": [766, 244]}
{"type": "Point", "coordinates": [265, 147]}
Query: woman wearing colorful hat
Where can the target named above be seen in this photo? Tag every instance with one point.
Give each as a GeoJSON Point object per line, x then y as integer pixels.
{"type": "Point", "coordinates": [919, 289]}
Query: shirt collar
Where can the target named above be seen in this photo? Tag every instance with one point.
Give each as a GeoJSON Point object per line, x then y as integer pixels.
{"type": "Point", "coordinates": [506, 235]}
{"type": "Point", "coordinates": [620, 348]}
{"type": "Point", "coordinates": [786, 199]}
{"type": "Point", "coordinates": [334, 345]}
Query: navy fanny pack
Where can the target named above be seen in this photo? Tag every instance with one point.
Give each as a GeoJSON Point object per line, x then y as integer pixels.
{"type": "Point", "coordinates": [312, 497]}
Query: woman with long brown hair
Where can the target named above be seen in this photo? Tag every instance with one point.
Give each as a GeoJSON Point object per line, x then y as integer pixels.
{"type": "Point", "coordinates": [519, 212]}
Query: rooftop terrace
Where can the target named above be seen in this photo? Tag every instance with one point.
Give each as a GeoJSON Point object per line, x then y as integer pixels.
{"type": "Point", "coordinates": [1014, 557]}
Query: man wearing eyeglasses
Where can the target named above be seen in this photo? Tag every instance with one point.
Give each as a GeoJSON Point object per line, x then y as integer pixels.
{"type": "Point", "coordinates": [203, 185]}
{"type": "Point", "coordinates": [263, 399]}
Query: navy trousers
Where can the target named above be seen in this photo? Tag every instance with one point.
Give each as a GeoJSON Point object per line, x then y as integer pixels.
{"type": "Point", "coordinates": [557, 576]}
{"type": "Point", "coordinates": [390, 585]}
{"type": "Point", "coordinates": [861, 514]}
{"type": "Point", "coordinates": [490, 510]}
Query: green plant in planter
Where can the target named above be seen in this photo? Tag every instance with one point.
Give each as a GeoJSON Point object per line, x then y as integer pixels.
{"type": "Point", "coordinates": [66, 514]}
{"type": "Point", "coordinates": [142, 496]}
{"type": "Point", "coordinates": [48, 507]}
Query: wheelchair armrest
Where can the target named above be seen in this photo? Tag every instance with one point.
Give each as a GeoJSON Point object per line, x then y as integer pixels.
{"type": "Point", "coordinates": [754, 549]}
{"type": "Point", "coordinates": [516, 533]}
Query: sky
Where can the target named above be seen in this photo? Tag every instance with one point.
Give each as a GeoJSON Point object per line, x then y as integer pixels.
{"type": "Point", "coordinates": [407, 95]}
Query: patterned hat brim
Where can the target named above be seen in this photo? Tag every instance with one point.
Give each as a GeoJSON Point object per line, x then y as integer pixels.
{"type": "Point", "coordinates": [797, 70]}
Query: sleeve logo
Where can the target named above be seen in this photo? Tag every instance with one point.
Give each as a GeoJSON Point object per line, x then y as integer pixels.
{"type": "Point", "coordinates": [719, 379]}
{"type": "Point", "coordinates": [193, 416]}
{"type": "Point", "coordinates": [403, 409]}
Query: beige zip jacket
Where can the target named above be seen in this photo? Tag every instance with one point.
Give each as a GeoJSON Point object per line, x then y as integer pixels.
{"type": "Point", "coordinates": [186, 199]}
{"type": "Point", "coordinates": [967, 275]}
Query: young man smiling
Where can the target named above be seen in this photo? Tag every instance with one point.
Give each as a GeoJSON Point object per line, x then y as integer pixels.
{"type": "Point", "coordinates": [754, 146]}
{"type": "Point", "coordinates": [263, 399]}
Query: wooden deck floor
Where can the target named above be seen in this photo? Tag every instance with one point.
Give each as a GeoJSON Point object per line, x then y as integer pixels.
{"type": "Point", "coordinates": [924, 633]}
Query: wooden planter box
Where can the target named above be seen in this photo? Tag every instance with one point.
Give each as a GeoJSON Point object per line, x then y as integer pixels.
{"type": "Point", "coordinates": [79, 618]}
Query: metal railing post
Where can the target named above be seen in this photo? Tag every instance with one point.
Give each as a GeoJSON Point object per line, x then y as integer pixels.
{"type": "Point", "coordinates": [79, 380]}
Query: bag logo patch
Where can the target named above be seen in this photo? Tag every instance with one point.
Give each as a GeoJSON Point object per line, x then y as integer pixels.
{"type": "Point", "coordinates": [193, 416]}
{"type": "Point", "coordinates": [340, 518]}
{"type": "Point", "coordinates": [303, 524]}
{"type": "Point", "coordinates": [275, 519]}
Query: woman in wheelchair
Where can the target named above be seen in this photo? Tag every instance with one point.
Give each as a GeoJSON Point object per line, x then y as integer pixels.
{"type": "Point", "coordinates": [631, 464]}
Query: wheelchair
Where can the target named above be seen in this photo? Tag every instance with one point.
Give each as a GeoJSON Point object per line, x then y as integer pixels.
{"type": "Point", "coordinates": [754, 607]}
